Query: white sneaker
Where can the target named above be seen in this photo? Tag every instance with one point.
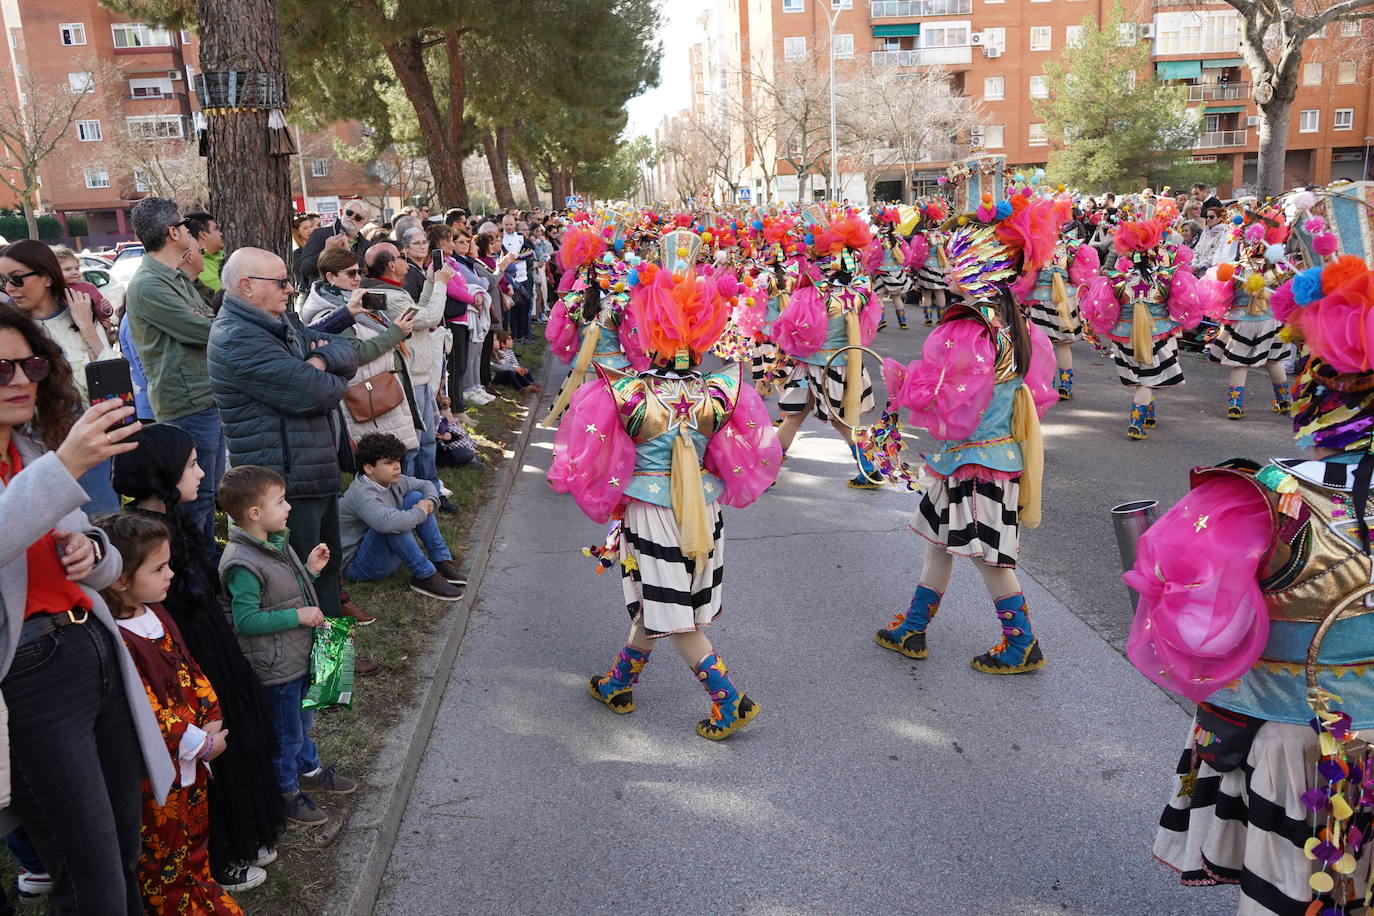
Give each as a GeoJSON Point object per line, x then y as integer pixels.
{"type": "Point", "coordinates": [480, 396]}
{"type": "Point", "coordinates": [265, 857]}
{"type": "Point", "coordinates": [33, 884]}
{"type": "Point", "coordinates": [241, 877]}
{"type": "Point", "coordinates": [445, 491]}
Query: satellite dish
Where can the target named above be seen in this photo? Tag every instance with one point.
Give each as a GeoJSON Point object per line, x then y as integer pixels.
{"type": "Point", "coordinates": [1264, 93]}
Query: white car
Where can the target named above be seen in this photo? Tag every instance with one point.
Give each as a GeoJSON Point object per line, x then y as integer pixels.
{"type": "Point", "coordinates": [126, 262]}
{"type": "Point", "coordinates": [102, 279]}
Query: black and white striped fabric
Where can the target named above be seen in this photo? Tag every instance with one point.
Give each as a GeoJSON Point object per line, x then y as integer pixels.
{"type": "Point", "coordinates": [1248, 343]}
{"type": "Point", "coordinates": [829, 402]}
{"type": "Point", "coordinates": [888, 283]}
{"type": "Point", "coordinates": [1163, 370]}
{"type": "Point", "coordinates": [972, 518]}
{"type": "Point", "coordinates": [763, 355]}
{"type": "Point", "coordinates": [1248, 826]}
{"type": "Point", "coordinates": [663, 588]}
{"type": "Point", "coordinates": [931, 278]}
{"type": "Point", "coordinates": [1045, 316]}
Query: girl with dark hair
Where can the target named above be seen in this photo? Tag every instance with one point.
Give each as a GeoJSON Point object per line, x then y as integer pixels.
{"type": "Point", "coordinates": [79, 736]}
{"type": "Point", "coordinates": [174, 869]}
{"type": "Point", "coordinates": [981, 386]}
{"type": "Point", "coordinates": [245, 810]}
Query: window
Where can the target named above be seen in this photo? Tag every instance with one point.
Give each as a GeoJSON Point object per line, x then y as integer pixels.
{"type": "Point", "coordinates": [1312, 74]}
{"type": "Point", "coordinates": [843, 47]}
{"type": "Point", "coordinates": [97, 178]}
{"type": "Point", "coordinates": [185, 37]}
{"type": "Point", "coordinates": [1040, 38]}
{"type": "Point", "coordinates": [841, 4]}
{"type": "Point", "coordinates": [1039, 87]}
{"type": "Point", "coordinates": [155, 127]}
{"type": "Point", "coordinates": [142, 181]}
{"type": "Point", "coordinates": [1350, 28]}
{"type": "Point", "coordinates": [140, 35]}
{"type": "Point", "coordinates": [1345, 71]}
{"type": "Point", "coordinates": [154, 88]}
{"type": "Point", "coordinates": [73, 33]}
{"type": "Point", "coordinates": [792, 6]}
{"type": "Point", "coordinates": [994, 88]}
{"type": "Point", "coordinates": [1345, 119]}
{"type": "Point", "coordinates": [81, 82]}
{"type": "Point", "coordinates": [319, 168]}
{"type": "Point", "coordinates": [946, 35]}
{"type": "Point", "coordinates": [995, 38]}
{"type": "Point", "coordinates": [994, 136]}
{"type": "Point", "coordinates": [1037, 135]}
{"type": "Point", "coordinates": [1309, 121]}
{"type": "Point", "coordinates": [794, 48]}
{"type": "Point", "coordinates": [88, 131]}
{"type": "Point", "coordinates": [1073, 34]}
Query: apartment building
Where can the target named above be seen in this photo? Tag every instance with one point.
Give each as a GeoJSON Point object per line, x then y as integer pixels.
{"type": "Point", "coordinates": [994, 52]}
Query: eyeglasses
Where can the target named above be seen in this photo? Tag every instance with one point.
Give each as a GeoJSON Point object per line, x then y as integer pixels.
{"type": "Point", "coordinates": [352, 272]}
{"type": "Point", "coordinates": [15, 279]}
{"type": "Point", "coordinates": [35, 368]}
{"type": "Point", "coordinates": [353, 214]}
{"type": "Point", "coordinates": [282, 282]}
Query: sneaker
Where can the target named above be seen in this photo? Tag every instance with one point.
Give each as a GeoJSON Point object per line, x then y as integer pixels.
{"type": "Point", "coordinates": [444, 491]}
{"type": "Point", "coordinates": [364, 666]}
{"type": "Point", "coordinates": [436, 586]}
{"type": "Point", "coordinates": [33, 883]}
{"type": "Point", "coordinates": [240, 876]}
{"type": "Point", "coordinates": [301, 809]}
{"type": "Point", "coordinates": [361, 617]}
{"type": "Point", "coordinates": [480, 396]}
{"type": "Point", "coordinates": [446, 506]}
{"type": "Point", "coordinates": [449, 570]}
{"type": "Point", "coordinates": [265, 857]}
{"type": "Point", "coordinates": [326, 780]}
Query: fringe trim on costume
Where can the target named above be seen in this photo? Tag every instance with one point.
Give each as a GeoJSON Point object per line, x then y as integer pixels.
{"type": "Point", "coordinates": [689, 500]}
{"type": "Point", "coordinates": [853, 374]}
{"type": "Point", "coordinates": [1025, 429]}
{"type": "Point", "coordinates": [1059, 293]}
{"type": "Point", "coordinates": [1142, 324]}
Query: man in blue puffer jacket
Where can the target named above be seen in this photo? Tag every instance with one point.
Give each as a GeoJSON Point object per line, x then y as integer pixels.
{"type": "Point", "coordinates": [278, 385]}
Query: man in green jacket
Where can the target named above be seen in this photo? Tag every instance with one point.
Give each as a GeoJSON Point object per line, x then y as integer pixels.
{"type": "Point", "coordinates": [170, 326]}
{"type": "Point", "coordinates": [205, 232]}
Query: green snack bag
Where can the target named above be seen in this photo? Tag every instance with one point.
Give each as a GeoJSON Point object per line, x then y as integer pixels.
{"type": "Point", "coordinates": [331, 665]}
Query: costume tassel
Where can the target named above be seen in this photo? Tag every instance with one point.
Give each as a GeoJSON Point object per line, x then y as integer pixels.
{"type": "Point", "coordinates": [853, 372]}
{"type": "Point", "coordinates": [1025, 429]}
{"type": "Point", "coordinates": [1142, 338]}
{"type": "Point", "coordinates": [578, 373]}
{"type": "Point", "coordinates": [689, 499]}
{"type": "Point", "coordinates": [1060, 294]}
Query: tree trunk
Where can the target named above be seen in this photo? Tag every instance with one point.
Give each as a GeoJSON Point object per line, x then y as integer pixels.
{"type": "Point", "coordinates": [250, 188]}
{"type": "Point", "coordinates": [462, 199]}
{"type": "Point", "coordinates": [30, 218]}
{"type": "Point", "coordinates": [442, 132]}
{"type": "Point", "coordinates": [531, 179]}
{"type": "Point", "coordinates": [500, 176]}
{"type": "Point", "coordinates": [1273, 147]}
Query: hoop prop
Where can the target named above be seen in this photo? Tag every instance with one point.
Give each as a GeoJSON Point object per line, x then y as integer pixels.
{"type": "Point", "coordinates": [880, 443]}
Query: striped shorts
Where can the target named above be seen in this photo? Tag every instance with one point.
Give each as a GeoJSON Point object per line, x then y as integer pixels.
{"type": "Point", "coordinates": [1248, 343]}
{"type": "Point", "coordinates": [972, 518]}
{"type": "Point", "coordinates": [1045, 316]}
{"type": "Point", "coordinates": [1162, 371]}
{"type": "Point", "coordinates": [805, 379]}
{"type": "Point", "coordinates": [665, 590]}
{"type": "Point", "coordinates": [888, 283]}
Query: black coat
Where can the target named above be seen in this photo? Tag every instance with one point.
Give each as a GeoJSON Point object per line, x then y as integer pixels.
{"type": "Point", "coordinates": [311, 250]}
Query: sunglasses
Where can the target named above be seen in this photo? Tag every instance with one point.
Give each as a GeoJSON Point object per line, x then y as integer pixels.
{"type": "Point", "coordinates": [15, 279]}
{"type": "Point", "coordinates": [354, 215]}
{"type": "Point", "coordinates": [352, 272]}
{"type": "Point", "coordinates": [35, 368]}
{"type": "Point", "coordinates": [282, 282]}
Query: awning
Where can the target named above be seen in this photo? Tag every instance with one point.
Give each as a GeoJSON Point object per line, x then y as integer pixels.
{"type": "Point", "coordinates": [1178, 69]}
{"type": "Point", "coordinates": [905, 30]}
{"type": "Point", "coordinates": [1220, 62]}
{"type": "Point", "coordinates": [1224, 109]}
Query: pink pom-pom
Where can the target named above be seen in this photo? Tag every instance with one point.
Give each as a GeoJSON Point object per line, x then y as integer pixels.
{"type": "Point", "coordinates": [1281, 301]}
{"type": "Point", "coordinates": [1304, 201]}
{"type": "Point", "coordinates": [1324, 244]}
{"type": "Point", "coordinates": [1254, 233]}
{"type": "Point", "coordinates": [1313, 225]}
{"type": "Point", "coordinates": [1183, 256]}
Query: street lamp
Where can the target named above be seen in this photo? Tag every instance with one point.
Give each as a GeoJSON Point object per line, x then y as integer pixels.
{"type": "Point", "coordinates": [831, 14]}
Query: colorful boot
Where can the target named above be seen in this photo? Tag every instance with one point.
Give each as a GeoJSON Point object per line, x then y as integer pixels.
{"type": "Point", "coordinates": [1150, 422]}
{"type": "Point", "coordinates": [1066, 384]}
{"type": "Point", "coordinates": [1019, 650]}
{"type": "Point", "coordinates": [730, 709]}
{"type": "Point", "coordinates": [868, 477]}
{"type": "Point", "coordinates": [901, 317]}
{"type": "Point", "coordinates": [1283, 401]}
{"type": "Point", "coordinates": [928, 309]}
{"type": "Point", "coordinates": [615, 688]}
{"type": "Point", "coordinates": [907, 632]}
{"type": "Point", "coordinates": [1235, 403]}
{"type": "Point", "coordinates": [1136, 428]}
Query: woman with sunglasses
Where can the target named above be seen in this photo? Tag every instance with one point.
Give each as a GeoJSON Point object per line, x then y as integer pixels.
{"type": "Point", "coordinates": [80, 736]}
{"type": "Point", "coordinates": [341, 276]}
{"type": "Point", "coordinates": [32, 276]}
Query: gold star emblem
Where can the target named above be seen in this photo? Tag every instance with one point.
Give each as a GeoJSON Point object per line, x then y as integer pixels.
{"type": "Point", "coordinates": [980, 359]}
{"type": "Point", "coordinates": [949, 345]}
{"type": "Point", "coordinates": [615, 481]}
{"type": "Point", "coordinates": [654, 488]}
{"type": "Point", "coordinates": [962, 388]}
{"type": "Point", "coordinates": [591, 427]}
{"type": "Point", "coordinates": [739, 469]}
{"type": "Point", "coordinates": [1201, 523]}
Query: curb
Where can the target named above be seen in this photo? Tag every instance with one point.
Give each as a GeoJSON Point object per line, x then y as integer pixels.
{"type": "Point", "coordinates": [373, 827]}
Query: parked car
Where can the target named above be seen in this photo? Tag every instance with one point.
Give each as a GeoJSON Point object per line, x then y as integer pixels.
{"type": "Point", "coordinates": [102, 279]}
{"type": "Point", "coordinates": [126, 262]}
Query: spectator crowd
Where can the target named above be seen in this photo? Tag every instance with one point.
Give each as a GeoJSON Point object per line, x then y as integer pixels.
{"type": "Point", "coordinates": [155, 654]}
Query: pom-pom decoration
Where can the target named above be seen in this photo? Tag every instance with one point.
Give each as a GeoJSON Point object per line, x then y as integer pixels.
{"type": "Point", "coordinates": [1325, 244]}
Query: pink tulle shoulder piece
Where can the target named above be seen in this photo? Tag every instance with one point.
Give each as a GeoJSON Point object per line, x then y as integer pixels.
{"type": "Point", "coordinates": [949, 387]}
{"type": "Point", "coordinates": [746, 454]}
{"type": "Point", "coordinates": [1086, 263]}
{"type": "Point", "coordinates": [1040, 377]}
{"type": "Point", "coordinates": [1183, 256]}
{"type": "Point", "coordinates": [869, 318]}
{"type": "Point", "coordinates": [561, 333]}
{"type": "Point", "coordinates": [1187, 304]}
{"type": "Point", "coordinates": [1098, 303]}
{"type": "Point", "coordinates": [872, 256]}
{"type": "Point", "coordinates": [1217, 295]}
{"type": "Point", "coordinates": [1201, 622]}
{"type": "Point", "coordinates": [917, 250]}
{"type": "Point", "coordinates": [894, 378]}
{"type": "Point", "coordinates": [632, 342]}
{"type": "Point", "coordinates": [590, 451]}
{"type": "Point", "coordinates": [803, 325]}
{"type": "Point", "coordinates": [751, 312]}
{"type": "Point", "coordinates": [1024, 285]}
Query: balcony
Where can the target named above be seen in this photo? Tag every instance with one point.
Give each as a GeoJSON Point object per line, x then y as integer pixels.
{"type": "Point", "coordinates": [894, 9]}
{"type": "Point", "coordinates": [154, 96]}
{"type": "Point", "coordinates": [1215, 139]}
{"type": "Point", "coordinates": [923, 57]}
{"type": "Point", "coordinates": [941, 152]}
{"type": "Point", "coordinates": [1217, 92]}
{"type": "Point", "coordinates": [1220, 43]}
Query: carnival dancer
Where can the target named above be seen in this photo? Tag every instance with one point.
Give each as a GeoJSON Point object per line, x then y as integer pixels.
{"type": "Point", "coordinates": [930, 273]}
{"type": "Point", "coordinates": [1141, 304]}
{"type": "Point", "coordinates": [1255, 604]}
{"type": "Point", "coordinates": [981, 385]}
{"type": "Point", "coordinates": [1052, 304]}
{"type": "Point", "coordinates": [890, 279]}
{"type": "Point", "coordinates": [832, 310]}
{"type": "Point", "coordinates": [659, 451]}
{"type": "Point", "coordinates": [769, 283]}
{"type": "Point", "coordinates": [1249, 335]}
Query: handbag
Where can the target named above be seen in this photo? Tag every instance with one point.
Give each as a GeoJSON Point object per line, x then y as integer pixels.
{"type": "Point", "coordinates": [372, 397]}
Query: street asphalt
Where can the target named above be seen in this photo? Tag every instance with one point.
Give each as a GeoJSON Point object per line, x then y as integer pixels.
{"type": "Point", "coordinates": [870, 783]}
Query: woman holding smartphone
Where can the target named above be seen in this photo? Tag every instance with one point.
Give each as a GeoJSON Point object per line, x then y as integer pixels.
{"type": "Point", "coordinates": [80, 735]}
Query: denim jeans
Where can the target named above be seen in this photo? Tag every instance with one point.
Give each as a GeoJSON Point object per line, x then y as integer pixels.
{"type": "Point", "coordinates": [76, 767]}
{"type": "Point", "coordinates": [98, 486]}
{"type": "Point", "coordinates": [424, 465]}
{"type": "Point", "coordinates": [379, 555]}
{"type": "Point", "coordinates": [205, 427]}
{"type": "Point", "coordinates": [296, 753]}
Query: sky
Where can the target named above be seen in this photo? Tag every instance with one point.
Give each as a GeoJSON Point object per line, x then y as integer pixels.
{"type": "Point", "coordinates": [676, 34]}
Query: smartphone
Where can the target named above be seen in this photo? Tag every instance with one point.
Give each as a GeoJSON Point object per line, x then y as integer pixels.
{"type": "Point", "coordinates": [109, 378]}
{"type": "Point", "coordinates": [436, 259]}
{"type": "Point", "coordinates": [375, 302]}
{"type": "Point", "coordinates": [410, 313]}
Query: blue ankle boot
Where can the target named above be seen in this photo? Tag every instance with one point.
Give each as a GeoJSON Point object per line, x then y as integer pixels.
{"type": "Point", "coordinates": [730, 709]}
{"type": "Point", "coordinates": [1235, 403]}
{"type": "Point", "coordinates": [1019, 650]}
{"type": "Point", "coordinates": [868, 477]}
{"type": "Point", "coordinates": [907, 632]}
{"type": "Point", "coordinates": [1065, 384]}
{"type": "Point", "coordinates": [1135, 429]}
{"type": "Point", "coordinates": [615, 688]}
{"type": "Point", "coordinates": [1283, 401]}
{"type": "Point", "coordinates": [1150, 422]}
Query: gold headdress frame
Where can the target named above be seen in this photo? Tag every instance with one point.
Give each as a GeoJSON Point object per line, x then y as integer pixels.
{"type": "Point", "coordinates": [672, 243]}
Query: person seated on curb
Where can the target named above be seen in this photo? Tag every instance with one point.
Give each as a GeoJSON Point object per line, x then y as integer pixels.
{"type": "Point", "coordinates": [275, 608]}
{"type": "Point", "coordinates": [506, 368]}
{"type": "Point", "coordinates": [380, 515]}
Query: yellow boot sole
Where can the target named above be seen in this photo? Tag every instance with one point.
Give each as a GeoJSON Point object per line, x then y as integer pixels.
{"type": "Point", "coordinates": [748, 711]}
{"type": "Point", "coordinates": [620, 702]}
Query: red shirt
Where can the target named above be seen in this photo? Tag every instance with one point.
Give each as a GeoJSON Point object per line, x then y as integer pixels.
{"type": "Point", "coordinates": [49, 591]}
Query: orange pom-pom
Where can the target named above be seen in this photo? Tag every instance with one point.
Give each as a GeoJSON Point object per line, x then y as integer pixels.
{"type": "Point", "coordinates": [987, 197]}
{"type": "Point", "coordinates": [1225, 272]}
{"type": "Point", "coordinates": [1340, 272]}
{"type": "Point", "coordinates": [604, 283]}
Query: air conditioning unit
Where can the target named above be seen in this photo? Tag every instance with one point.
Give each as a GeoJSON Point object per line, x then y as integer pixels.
{"type": "Point", "coordinates": [1145, 30]}
{"type": "Point", "coordinates": [977, 38]}
{"type": "Point", "coordinates": [1252, 121]}
{"type": "Point", "coordinates": [990, 51]}
{"type": "Point", "coordinates": [174, 75]}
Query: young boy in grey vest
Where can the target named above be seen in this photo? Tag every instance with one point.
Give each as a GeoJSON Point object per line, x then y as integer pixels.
{"type": "Point", "coordinates": [272, 598]}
